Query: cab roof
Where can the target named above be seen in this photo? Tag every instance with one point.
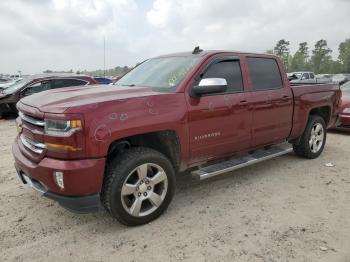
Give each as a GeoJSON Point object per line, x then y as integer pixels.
{"type": "Point", "coordinates": [54, 75]}
{"type": "Point", "coordinates": [206, 53]}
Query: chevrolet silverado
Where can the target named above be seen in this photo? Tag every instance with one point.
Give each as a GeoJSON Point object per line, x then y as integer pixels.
{"type": "Point", "coordinates": [208, 112]}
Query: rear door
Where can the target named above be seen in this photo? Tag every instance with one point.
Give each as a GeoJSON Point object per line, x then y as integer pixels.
{"type": "Point", "coordinates": [219, 124]}
{"type": "Point", "coordinates": [272, 102]}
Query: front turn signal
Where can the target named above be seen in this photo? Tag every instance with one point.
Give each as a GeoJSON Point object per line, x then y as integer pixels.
{"type": "Point", "coordinates": [61, 148]}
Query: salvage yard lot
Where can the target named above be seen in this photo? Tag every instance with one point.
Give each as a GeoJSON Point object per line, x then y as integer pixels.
{"type": "Point", "coordinates": [285, 209]}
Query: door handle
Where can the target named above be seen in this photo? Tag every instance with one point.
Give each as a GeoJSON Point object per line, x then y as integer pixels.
{"type": "Point", "coordinates": [243, 102]}
{"type": "Point", "coordinates": [285, 97]}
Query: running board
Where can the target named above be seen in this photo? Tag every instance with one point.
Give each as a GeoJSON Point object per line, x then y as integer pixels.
{"type": "Point", "coordinates": [243, 161]}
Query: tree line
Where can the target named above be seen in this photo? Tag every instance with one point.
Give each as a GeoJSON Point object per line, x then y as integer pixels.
{"type": "Point", "coordinates": [319, 60]}
{"type": "Point", "coordinates": [116, 71]}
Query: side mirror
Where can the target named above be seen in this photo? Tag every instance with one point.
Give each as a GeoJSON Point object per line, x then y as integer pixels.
{"type": "Point", "coordinates": [209, 86]}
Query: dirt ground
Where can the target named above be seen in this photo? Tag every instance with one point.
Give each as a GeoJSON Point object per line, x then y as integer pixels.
{"type": "Point", "coordinates": [285, 209]}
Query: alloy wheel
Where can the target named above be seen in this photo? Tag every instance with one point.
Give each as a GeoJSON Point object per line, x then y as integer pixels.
{"type": "Point", "coordinates": [144, 189]}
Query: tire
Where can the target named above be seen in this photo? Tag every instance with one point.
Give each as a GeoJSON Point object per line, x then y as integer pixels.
{"type": "Point", "coordinates": [130, 182]}
{"type": "Point", "coordinates": [5, 115]}
{"type": "Point", "coordinates": [313, 140]}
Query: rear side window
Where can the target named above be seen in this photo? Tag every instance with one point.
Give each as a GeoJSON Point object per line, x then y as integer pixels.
{"type": "Point", "coordinates": [58, 83]}
{"type": "Point", "coordinates": [312, 76]}
{"type": "Point", "coordinates": [229, 70]}
{"type": "Point", "coordinates": [264, 73]}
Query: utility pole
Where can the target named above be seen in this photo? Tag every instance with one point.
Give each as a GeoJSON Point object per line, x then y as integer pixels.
{"type": "Point", "coordinates": [104, 56]}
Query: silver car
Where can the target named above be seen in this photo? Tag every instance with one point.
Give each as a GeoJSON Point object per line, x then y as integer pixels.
{"type": "Point", "coordinates": [302, 77]}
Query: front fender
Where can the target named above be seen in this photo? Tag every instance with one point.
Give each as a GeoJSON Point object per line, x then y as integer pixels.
{"type": "Point", "coordinates": [135, 116]}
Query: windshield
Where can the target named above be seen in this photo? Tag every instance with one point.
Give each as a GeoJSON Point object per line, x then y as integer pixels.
{"type": "Point", "coordinates": [15, 86]}
{"type": "Point", "coordinates": [162, 74]}
{"type": "Point", "coordinates": [345, 87]}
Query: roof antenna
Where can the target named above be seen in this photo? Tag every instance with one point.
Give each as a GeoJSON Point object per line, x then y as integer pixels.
{"type": "Point", "coordinates": [197, 50]}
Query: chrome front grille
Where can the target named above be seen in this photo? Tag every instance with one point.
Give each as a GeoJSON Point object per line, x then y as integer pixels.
{"type": "Point", "coordinates": [36, 147]}
{"type": "Point", "coordinates": [31, 120]}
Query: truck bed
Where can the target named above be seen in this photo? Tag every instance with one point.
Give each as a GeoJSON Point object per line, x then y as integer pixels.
{"type": "Point", "coordinates": [308, 96]}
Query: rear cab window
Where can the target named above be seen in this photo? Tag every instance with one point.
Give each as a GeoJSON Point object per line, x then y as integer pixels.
{"type": "Point", "coordinates": [264, 73]}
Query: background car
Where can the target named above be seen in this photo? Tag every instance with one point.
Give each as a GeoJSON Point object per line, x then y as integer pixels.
{"type": "Point", "coordinates": [103, 80]}
{"type": "Point", "coordinates": [38, 83]}
{"type": "Point", "coordinates": [344, 110]}
{"type": "Point", "coordinates": [324, 78]}
{"type": "Point", "coordinates": [302, 77]}
{"type": "Point", "coordinates": [9, 83]}
{"type": "Point", "coordinates": [116, 78]}
{"type": "Point", "coordinates": [341, 78]}
{"type": "Point", "coordinates": [4, 79]}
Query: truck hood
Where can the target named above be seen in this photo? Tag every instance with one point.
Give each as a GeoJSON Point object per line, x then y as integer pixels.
{"type": "Point", "coordinates": [60, 100]}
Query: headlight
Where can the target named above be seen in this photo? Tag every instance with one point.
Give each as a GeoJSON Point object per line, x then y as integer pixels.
{"type": "Point", "coordinates": [346, 110]}
{"type": "Point", "coordinates": [62, 127]}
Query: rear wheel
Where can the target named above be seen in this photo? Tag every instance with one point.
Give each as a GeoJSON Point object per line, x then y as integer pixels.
{"type": "Point", "coordinates": [139, 186]}
{"type": "Point", "coordinates": [313, 140]}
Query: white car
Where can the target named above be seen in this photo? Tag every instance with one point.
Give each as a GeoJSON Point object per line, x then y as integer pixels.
{"type": "Point", "coordinates": [9, 83]}
{"type": "Point", "coordinates": [302, 77]}
{"type": "Point", "coordinates": [341, 78]}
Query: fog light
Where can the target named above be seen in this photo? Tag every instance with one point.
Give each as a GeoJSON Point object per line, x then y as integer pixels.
{"type": "Point", "coordinates": [58, 177]}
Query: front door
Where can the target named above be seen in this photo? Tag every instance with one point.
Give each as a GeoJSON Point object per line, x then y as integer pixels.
{"type": "Point", "coordinates": [219, 124]}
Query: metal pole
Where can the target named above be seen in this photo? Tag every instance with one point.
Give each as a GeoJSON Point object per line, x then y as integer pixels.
{"type": "Point", "coordinates": [104, 56]}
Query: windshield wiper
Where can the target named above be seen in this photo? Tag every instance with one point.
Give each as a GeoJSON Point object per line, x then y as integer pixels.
{"type": "Point", "coordinates": [129, 85]}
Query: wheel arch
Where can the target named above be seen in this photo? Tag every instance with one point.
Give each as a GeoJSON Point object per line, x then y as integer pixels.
{"type": "Point", "coordinates": [166, 142]}
{"type": "Point", "coordinates": [324, 112]}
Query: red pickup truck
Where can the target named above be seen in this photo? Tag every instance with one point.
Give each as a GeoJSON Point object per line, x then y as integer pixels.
{"type": "Point", "coordinates": [208, 112]}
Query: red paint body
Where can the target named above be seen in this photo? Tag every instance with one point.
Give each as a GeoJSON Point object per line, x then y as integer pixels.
{"type": "Point", "coordinates": [238, 122]}
{"type": "Point", "coordinates": [344, 117]}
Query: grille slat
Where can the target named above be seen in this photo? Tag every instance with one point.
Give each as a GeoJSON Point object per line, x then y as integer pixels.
{"type": "Point", "coordinates": [35, 147]}
{"type": "Point", "coordinates": [31, 120]}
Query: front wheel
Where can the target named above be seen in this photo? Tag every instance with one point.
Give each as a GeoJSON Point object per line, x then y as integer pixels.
{"type": "Point", "coordinates": [139, 186]}
{"type": "Point", "coordinates": [313, 140]}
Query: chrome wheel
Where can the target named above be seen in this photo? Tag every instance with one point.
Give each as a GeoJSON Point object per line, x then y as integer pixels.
{"type": "Point", "coordinates": [316, 138]}
{"type": "Point", "coordinates": [144, 190]}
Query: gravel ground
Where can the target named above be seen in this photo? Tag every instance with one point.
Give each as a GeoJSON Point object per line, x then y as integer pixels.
{"type": "Point", "coordinates": [285, 209]}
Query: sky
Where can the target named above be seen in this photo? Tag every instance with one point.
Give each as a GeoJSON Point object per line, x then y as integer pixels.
{"type": "Point", "coordinates": [36, 35]}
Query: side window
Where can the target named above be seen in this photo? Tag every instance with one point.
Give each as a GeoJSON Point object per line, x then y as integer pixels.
{"type": "Point", "coordinates": [305, 76]}
{"type": "Point", "coordinates": [264, 73]}
{"type": "Point", "coordinates": [312, 76]}
{"type": "Point", "coordinates": [58, 83]}
{"type": "Point", "coordinates": [37, 87]}
{"type": "Point", "coordinates": [229, 70]}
